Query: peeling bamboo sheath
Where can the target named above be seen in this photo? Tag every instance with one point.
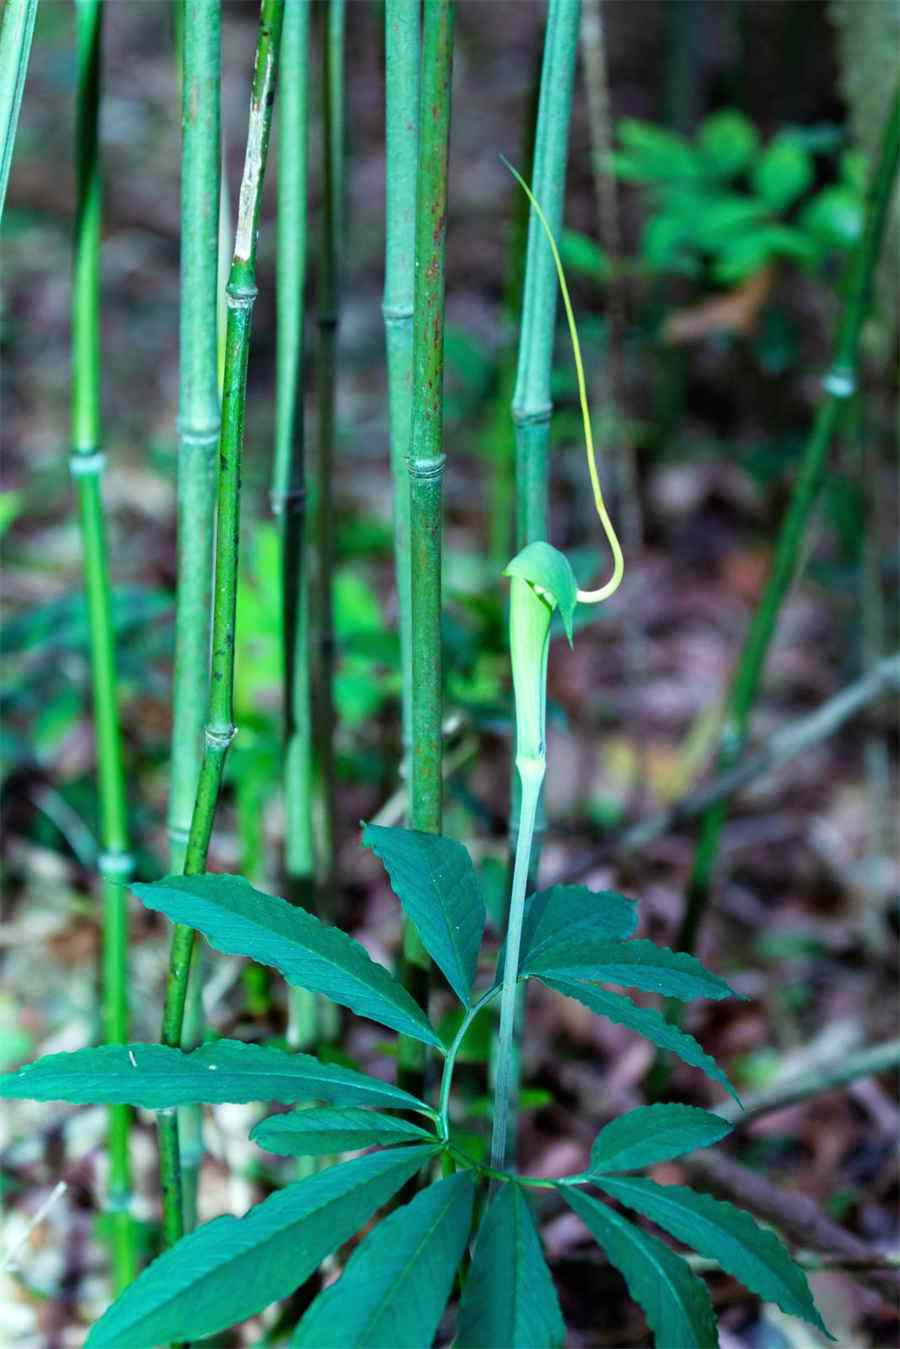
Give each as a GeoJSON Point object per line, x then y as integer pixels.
{"type": "Point", "coordinates": [220, 729]}
{"type": "Point", "coordinates": [87, 463]}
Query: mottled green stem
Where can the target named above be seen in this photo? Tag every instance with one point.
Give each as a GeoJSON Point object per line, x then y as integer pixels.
{"type": "Point", "coordinates": [16, 31]}
{"type": "Point", "coordinates": [289, 484]}
{"type": "Point", "coordinates": [198, 439]}
{"type": "Point", "coordinates": [839, 386]}
{"type": "Point", "coordinates": [321, 503]}
{"type": "Point", "coordinates": [401, 43]}
{"type": "Point", "coordinates": [87, 463]}
{"type": "Point", "coordinates": [425, 465]}
{"type": "Point", "coordinates": [532, 407]}
{"type": "Point", "coordinates": [219, 730]}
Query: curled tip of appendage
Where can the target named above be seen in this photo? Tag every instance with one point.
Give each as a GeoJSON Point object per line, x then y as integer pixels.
{"type": "Point", "coordinates": [615, 580]}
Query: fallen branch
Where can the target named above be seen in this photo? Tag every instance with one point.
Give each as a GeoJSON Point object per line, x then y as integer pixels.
{"type": "Point", "coordinates": [781, 747]}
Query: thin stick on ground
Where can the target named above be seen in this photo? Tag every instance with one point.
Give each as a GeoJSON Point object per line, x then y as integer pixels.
{"type": "Point", "coordinates": [87, 463]}
{"type": "Point", "coordinates": [16, 32]}
{"type": "Point", "coordinates": [198, 440]}
{"type": "Point", "coordinates": [426, 470]}
{"type": "Point", "coordinates": [220, 729]}
{"type": "Point", "coordinates": [289, 485]}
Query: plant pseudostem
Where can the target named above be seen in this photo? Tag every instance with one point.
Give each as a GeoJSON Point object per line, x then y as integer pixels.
{"type": "Point", "coordinates": [16, 32]}
{"type": "Point", "coordinates": [426, 465]}
{"type": "Point", "coordinates": [840, 385]}
{"type": "Point", "coordinates": [220, 729]}
{"type": "Point", "coordinates": [198, 441]}
{"type": "Point", "coordinates": [87, 463]}
{"type": "Point", "coordinates": [289, 483]}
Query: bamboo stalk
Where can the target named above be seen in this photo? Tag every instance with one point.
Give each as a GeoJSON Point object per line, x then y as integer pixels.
{"type": "Point", "coordinates": [322, 507]}
{"type": "Point", "coordinates": [198, 433]}
{"type": "Point", "coordinates": [220, 729]}
{"type": "Point", "coordinates": [532, 406]}
{"type": "Point", "coordinates": [839, 386]}
{"type": "Point", "coordinates": [402, 42]}
{"type": "Point", "coordinates": [425, 466]}
{"type": "Point", "coordinates": [16, 32]}
{"type": "Point", "coordinates": [87, 463]}
{"type": "Point", "coordinates": [289, 483]}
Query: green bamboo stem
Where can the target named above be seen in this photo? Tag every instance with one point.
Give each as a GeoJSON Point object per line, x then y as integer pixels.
{"type": "Point", "coordinates": [401, 42]}
{"type": "Point", "coordinates": [322, 506]}
{"type": "Point", "coordinates": [289, 483]}
{"type": "Point", "coordinates": [425, 465]}
{"type": "Point", "coordinates": [532, 406]}
{"type": "Point", "coordinates": [198, 440]}
{"type": "Point", "coordinates": [220, 729]}
{"type": "Point", "coordinates": [16, 31]}
{"type": "Point", "coordinates": [87, 463]}
{"type": "Point", "coordinates": [839, 386]}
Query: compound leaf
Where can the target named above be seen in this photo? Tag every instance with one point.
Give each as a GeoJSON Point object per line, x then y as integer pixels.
{"type": "Point", "coordinates": [155, 1077]}
{"type": "Point", "coordinates": [654, 1133]}
{"type": "Point", "coordinates": [322, 1130]}
{"type": "Point", "coordinates": [643, 1020]}
{"type": "Point", "coordinates": [752, 1254]}
{"type": "Point", "coordinates": [435, 881]}
{"type": "Point", "coordinates": [566, 914]}
{"type": "Point", "coordinates": [231, 1268]}
{"type": "Point", "coordinates": [633, 964]}
{"type": "Point", "coordinates": [239, 920]}
{"type": "Point", "coordinates": [508, 1297]}
{"type": "Point", "coordinates": [675, 1302]}
{"type": "Point", "coordinates": [396, 1284]}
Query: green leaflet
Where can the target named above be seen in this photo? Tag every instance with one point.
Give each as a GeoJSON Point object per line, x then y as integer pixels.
{"type": "Point", "coordinates": [546, 567]}
{"type": "Point", "coordinates": [783, 172]}
{"type": "Point", "coordinates": [396, 1284]}
{"type": "Point", "coordinates": [565, 914]}
{"type": "Point", "coordinates": [643, 1020]}
{"type": "Point", "coordinates": [654, 1133]}
{"type": "Point", "coordinates": [154, 1077]}
{"type": "Point", "coordinates": [508, 1297]}
{"type": "Point", "coordinates": [435, 881]}
{"type": "Point", "coordinates": [675, 1302]}
{"type": "Point", "coordinates": [239, 920]}
{"type": "Point", "coordinates": [322, 1130]}
{"type": "Point", "coordinates": [633, 964]}
{"type": "Point", "coordinates": [231, 1268]}
{"type": "Point", "coordinates": [745, 1250]}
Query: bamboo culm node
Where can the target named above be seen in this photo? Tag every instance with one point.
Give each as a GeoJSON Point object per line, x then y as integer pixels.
{"type": "Point", "coordinates": [220, 729]}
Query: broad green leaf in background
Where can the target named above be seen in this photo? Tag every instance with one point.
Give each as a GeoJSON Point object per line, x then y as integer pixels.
{"type": "Point", "coordinates": [582, 254]}
{"type": "Point", "coordinates": [667, 244]}
{"type": "Point", "coordinates": [508, 1297]}
{"type": "Point", "coordinates": [231, 1268]}
{"type": "Point", "coordinates": [643, 1020]}
{"type": "Point", "coordinates": [746, 253]}
{"type": "Point", "coordinates": [745, 1250]}
{"type": "Point", "coordinates": [653, 154]}
{"type": "Point", "coordinates": [565, 914]}
{"type": "Point", "coordinates": [155, 1077]}
{"type": "Point", "coordinates": [654, 1133]}
{"type": "Point", "coordinates": [783, 172]}
{"type": "Point", "coordinates": [239, 920]}
{"type": "Point", "coordinates": [632, 964]}
{"type": "Point", "coordinates": [835, 216]}
{"type": "Point", "coordinates": [322, 1130]}
{"type": "Point", "coordinates": [727, 143]}
{"type": "Point", "coordinates": [675, 1302]}
{"type": "Point", "coordinates": [396, 1284]}
{"type": "Point", "coordinates": [546, 567]}
{"type": "Point", "coordinates": [724, 217]}
{"type": "Point", "coordinates": [435, 881]}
